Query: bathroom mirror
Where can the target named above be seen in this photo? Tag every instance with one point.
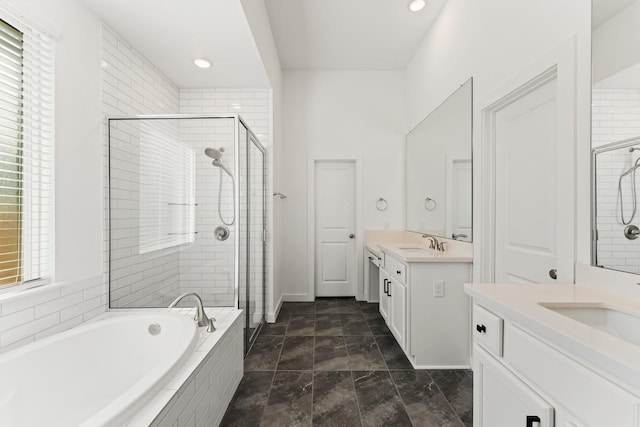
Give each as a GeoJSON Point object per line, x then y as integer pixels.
{"type": "Point", "coordinates": [439, 169]}
{"type": "Point", "coordinates": [615, 133]}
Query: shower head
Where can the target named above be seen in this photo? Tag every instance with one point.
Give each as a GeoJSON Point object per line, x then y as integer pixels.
{"type": "Point", "coordinates": [214, 153]}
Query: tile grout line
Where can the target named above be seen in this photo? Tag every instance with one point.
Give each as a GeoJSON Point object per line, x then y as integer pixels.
{"type": "Point", "coordinates": [446, 398]}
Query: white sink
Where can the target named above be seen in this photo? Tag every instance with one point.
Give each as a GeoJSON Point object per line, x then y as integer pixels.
{"type": "Point", "coordinates": [614, 322]}
{"type": "Point", "coordinates": [413, 249]}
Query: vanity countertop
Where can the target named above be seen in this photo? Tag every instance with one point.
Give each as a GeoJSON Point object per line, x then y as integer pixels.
{"type": "Point", "coordinates": [521, 303]}
{"type": "Point", "coordinates": [412, 252]}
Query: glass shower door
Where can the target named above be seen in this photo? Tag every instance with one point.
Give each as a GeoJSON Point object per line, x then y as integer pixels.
{"type": "Point", "coordinates": [256, 223]}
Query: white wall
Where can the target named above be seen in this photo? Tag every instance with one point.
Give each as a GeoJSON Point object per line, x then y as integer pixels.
{"type": "Point", "coordinates": [493, 41]}
{"type": "Point", "coordinates": [337, 114]}
{"type": "Point", "coordinates": [623, 26]}
{"type": "Point", "coordinates": [258, 20]}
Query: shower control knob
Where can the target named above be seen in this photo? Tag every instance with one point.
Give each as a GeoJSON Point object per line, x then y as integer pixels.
{"type": "Point", "coordinates": [631, 232]}
{"type": "Point", "coordinates": [553, 273]}
{"type": "Point", "coordinates": [351, 236]}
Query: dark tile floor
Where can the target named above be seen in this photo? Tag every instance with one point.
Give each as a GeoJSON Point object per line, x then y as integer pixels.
{"type": "Point", "coordinates": [333, 362]}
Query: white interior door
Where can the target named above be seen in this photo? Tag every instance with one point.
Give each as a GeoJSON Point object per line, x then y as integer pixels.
{"type": "Point", "coordinates": [335, 228]}
{"type": "Point", "coordinates": [534, 204]}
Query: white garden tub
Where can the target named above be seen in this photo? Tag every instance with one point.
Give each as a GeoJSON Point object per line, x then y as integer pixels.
{"type": "Point", "coordinates": [97, 374]}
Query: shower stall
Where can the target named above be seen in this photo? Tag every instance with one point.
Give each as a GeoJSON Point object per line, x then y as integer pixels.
{"type": "Point", "coordinates": [187, 213]}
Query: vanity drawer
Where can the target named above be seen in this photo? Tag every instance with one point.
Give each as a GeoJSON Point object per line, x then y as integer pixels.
{"type": "Point", "coordinates": [373, 258]}
{"type": "Point", "coordinates": [396, 269]}
{"type": "Point", "coordinates": [487, 330]}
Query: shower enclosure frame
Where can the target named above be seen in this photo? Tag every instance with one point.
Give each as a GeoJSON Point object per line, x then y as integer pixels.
{"type": "Point", "coordinates": [625, 143]}
{"type": "Point", "coordinates": [251, 138]}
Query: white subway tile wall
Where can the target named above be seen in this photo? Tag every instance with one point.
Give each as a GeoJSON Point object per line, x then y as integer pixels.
{"type": "Point", "coordinates": [41, 312]}
{"type": "Point", "coordinates": [131, 85]}
{"type": "Point", "coordinates": [203, 398]}
{"type": "Point", "coordinates": [616, 117]}
{"type": "Point", "coordinates": [253, 107]}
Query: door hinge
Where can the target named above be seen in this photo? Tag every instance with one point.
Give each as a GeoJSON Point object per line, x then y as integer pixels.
{"type": "Point", "coordinates": [264, 236]}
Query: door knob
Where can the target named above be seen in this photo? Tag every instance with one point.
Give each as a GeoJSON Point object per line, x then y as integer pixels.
{"type": "Point", "coordinates": [553, 273]}
{"type": "Point", "coordinates": [351, 236]}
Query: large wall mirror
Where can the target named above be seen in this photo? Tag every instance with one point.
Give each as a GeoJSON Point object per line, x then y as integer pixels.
{"type": "Point", "coordinates": [439, 170]}
{"type": "Point", "coordinates": [615, 134]}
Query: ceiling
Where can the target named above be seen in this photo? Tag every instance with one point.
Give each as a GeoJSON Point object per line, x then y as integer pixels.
{"type": "Point", "coordinates": [309, 35]}
{"type": "Point", "coordinates": [348, 34]}
{"type": "Point", "coordinates": [171, 34]}
{"type": "Point", "coordinates": [603, 10]}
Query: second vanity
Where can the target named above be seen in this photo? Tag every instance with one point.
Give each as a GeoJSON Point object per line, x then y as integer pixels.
{"type": "Point", "coordinates": [421, 296]}
{"type": "Point", "coordinates": [554, 355]}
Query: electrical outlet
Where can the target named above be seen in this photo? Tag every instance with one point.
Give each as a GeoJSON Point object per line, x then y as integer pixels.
{"type": "Point", "coordinates": [438, 288]}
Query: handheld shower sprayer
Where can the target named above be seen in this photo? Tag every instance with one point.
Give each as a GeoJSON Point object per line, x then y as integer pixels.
{"type": "Point", "coordinates": [216, 155]}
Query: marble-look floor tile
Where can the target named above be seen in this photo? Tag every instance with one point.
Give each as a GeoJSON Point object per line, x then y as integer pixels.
{"type": "Point", "coordinates": [264, 354]}
{"type": "Point", "coordinates": [330, 354]}
{"type": "Point", "coordinates": [301, 324]}
{"type": "Point", "coordinates": [327, 306]}
{"type": "Point", "coordinates": [393, 355]}
{"type": "Point", "coordinates": [366, 307]}
{"type": "Point", "coordinates": [277, 328]}
{"type": "Point", "coordinates": [379, 402]}
{"type": "Point", "coordinates": [424, 401]}
{"type": "Point", "coordinates": [248, 403]}
{"type": "Point", "coordinates": [297, 354]}
{"type": "Point", "coordinates": [378, 327]}
{"type": "Point", "coordinates": [369, 316]}
{"type": "Point", "coordinates": [354, 324]}
{"type": "Point", "coordinates": [348, 306]}
{"type": "Point", "coordinates": [328, 324]}
{"type": "Point", "coordinates": [290, 401]}
{"type": "Point", "coordinates": [298, 308]}
{"type": "Point", "coordinates": [364, 354]}
{"type": "Point", "coordinates": [457, 387]}
{"type": "Point", "coordinates": [334, 400]}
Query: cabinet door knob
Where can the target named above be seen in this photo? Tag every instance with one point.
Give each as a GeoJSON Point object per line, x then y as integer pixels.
{"type": "Point", "coordinates": [398, 272]}
{"type": "Point", "coordinates": [481, 328]}
{"type": "Point", "coordinates": [553, 273]}
{"type": "Point", "coordinates": [351, 236]}
{"type": "Point", "coordinates": [533, 419]}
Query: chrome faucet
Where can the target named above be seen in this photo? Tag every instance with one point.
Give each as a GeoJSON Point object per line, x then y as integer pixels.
{"type": "Point", "coordinates": [434, 243]}
{"type": "Point", "coordinates": [201, 316]}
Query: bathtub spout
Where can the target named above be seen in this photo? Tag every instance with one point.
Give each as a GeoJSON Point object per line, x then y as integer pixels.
{"type": "Point", "coordinates": [201, 316]}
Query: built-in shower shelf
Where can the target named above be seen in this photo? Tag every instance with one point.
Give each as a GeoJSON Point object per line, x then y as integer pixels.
{"type": "Point", "coordinates": [182, 204]}
{"type": "Point", "coordinates": [180, 234]}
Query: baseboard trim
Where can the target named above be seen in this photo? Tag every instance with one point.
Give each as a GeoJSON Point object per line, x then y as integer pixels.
{"type": "Point", "coordinates": [271, 317]}
{"type": "Point", "coordinates": [298, 298]}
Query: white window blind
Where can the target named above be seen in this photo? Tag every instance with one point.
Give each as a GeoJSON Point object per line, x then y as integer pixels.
{"type": "Point", "coordinates": [26, 153]}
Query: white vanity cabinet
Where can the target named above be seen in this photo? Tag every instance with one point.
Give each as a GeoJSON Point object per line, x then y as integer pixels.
{"type": "Point", "coordinates": [393, 298]}
{"type": "Point", "coordinates": [423, 303]}
{"type": "Point", "coordinates": [521, 379]}
{"type": "Point", "coordinates": [503, 399]}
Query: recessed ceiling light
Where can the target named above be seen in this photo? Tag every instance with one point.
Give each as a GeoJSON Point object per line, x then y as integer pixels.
{"type": "Point", "coordinates": [417, 5]}
{"type": "Point", "coordinates": [202, 63]}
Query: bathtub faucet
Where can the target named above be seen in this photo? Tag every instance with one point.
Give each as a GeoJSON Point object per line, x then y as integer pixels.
{"type": "Point", "coordinates": [201, 316]}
